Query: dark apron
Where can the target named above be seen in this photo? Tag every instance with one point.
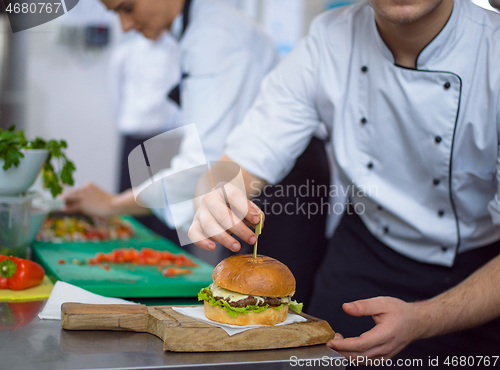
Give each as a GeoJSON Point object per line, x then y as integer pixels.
{"type": "Point", "coordinates": [358, 266]}
{"type": "Point", "coordinates": [129, 143]}
{"type": "Point", "coordinates": [175, 94]}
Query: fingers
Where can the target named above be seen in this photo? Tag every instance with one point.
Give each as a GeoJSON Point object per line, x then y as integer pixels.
{"type": "Point", "coordinates": [365, 307]}
{"type": "Point", "coordinates": [228, 217]}
{"type": "Point", "coordinates": [72, 195]}
{"type": "Point", "coordinates": [224, 211]}
{"type": "Point", "coordinates": [76, 195]}
{"type": "Point", "coordinates": [217, 233]}
{"type": "Point", "coordinates": [201, 240]}
{"type": "Point", "coordinates": [390, 335]}
{"type": "Point", "coordinates": [72, 201]}
{"type": "Point", "coordinates": [370, 339]}
{"type": "Point", "coordinates": [239, 203]}
{"type": "Point", "coordinates": [371, 344]}
{"type": "Point", "coordinates": [72, 207]}
{"type": "Point", "coordinates": [258, 212]}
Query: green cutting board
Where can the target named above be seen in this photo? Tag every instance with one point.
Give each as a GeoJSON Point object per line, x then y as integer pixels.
{"type": "Point", "coordinates": [122, 280]}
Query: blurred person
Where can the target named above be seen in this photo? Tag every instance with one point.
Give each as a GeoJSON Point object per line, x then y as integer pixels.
{"type": "Point", "coordinates": [142, 73]}
{"type": "Point", "coordinates": [224, 56]}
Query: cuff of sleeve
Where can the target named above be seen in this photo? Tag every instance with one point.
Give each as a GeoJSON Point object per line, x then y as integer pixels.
{"type": "Point", "coordinates": [494, 209]}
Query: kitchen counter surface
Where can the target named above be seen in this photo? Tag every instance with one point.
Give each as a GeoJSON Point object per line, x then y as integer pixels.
{"type": "Point", "coordinates": [29, 343]}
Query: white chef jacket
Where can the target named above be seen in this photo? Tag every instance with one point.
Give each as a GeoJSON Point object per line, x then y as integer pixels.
{"type": "Point", "coordinates": [142, 72]}
{"type": "Point", "coordinates": [421, 144]}
{"type": "Point", "coordinates": [224, 57]}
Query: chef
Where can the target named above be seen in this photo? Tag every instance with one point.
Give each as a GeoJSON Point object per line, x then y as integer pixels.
{"type": "Point", "coordinates": [224, 57]}
{"type": "Point", "coordinates": [410, 92]}
{"type": "Point", "coordinates": [141, 72]}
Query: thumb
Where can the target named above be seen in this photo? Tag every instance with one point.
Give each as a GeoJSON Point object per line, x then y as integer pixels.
{"type": "Point", "coordinates": [365, 307]}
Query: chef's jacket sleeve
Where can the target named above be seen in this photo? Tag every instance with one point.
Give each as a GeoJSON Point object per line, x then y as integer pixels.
{"type": "Point", "coordinates": [494, 205]}
{"type": "Point", "coordinates": [221, 84]}
{"type": "Point", "coordinates": [279, 126]}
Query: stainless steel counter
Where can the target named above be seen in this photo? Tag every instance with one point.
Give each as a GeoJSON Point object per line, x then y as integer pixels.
{"type": "Point", "coordinates": [44, 345]}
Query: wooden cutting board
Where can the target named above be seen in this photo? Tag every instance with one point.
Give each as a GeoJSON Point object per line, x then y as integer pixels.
{"type": "Point", "coordinates": [183, 334]}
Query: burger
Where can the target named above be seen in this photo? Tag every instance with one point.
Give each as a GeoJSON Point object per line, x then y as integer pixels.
{"type": "Point", "coordinates": [250, 291]}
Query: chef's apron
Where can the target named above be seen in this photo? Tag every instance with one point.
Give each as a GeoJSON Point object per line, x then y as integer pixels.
{"type": "Point", "coordinates": [358, 266]}
{"type": "Point", "coordinates": [129, 143]}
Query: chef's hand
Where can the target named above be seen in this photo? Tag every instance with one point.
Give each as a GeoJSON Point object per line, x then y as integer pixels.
{"type": "Point", "coordinates": [397, 325]}
{"type": "Point", "coordinates": [93, 201]}
{"type": "Point", "coordinates": [215, 221]}
{"type": "Point", "coordinates": [90, 200]}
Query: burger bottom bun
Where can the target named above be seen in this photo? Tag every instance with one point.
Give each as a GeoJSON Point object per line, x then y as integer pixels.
{"type": "Point", "coordinates": [269, 316]}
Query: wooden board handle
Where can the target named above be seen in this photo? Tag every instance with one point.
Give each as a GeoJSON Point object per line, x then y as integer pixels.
{"type": "Point", "coordinates": [121, 317]}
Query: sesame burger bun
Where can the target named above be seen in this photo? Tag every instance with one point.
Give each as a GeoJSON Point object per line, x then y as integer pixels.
{"type": "Point", "coordinates": [262, 276]}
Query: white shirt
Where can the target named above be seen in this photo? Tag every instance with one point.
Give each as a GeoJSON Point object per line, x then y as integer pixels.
{"type": "Point", "coordinates": [225, 56]}
{"type": "Point", "coordinates": [142, 73]}
{"type": "Point", "coordinates": [422, 144]}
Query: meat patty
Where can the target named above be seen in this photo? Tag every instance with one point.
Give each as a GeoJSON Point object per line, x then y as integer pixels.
{"type": "Point", "coordinates": [252, 301]}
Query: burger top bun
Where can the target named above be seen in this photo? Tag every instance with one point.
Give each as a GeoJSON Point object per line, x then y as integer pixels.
{"type": "Point", "coordinates": [263, 276]}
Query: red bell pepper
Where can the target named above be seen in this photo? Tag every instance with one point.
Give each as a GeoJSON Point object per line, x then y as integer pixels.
{"type": "Point", "coordinates": [3, 281]}
{"type": "Point", "coordinates": [20, 273]}
{"type": "Point", "coordinates": [7, 318]}
{"type": "Point", "coordinates": [25, 312]}
{"type": "Point", "coordinates": [16, 315]}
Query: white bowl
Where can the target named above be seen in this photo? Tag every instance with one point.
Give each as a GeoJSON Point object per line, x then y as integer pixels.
{"type": "Point", "coordinates": [18, 179]}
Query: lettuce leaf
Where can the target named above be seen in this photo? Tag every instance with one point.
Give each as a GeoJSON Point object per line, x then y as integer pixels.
{"type": "Point", "coordinates": [297, 307]}
{"type": "Point", "coordinates": [205, 295]}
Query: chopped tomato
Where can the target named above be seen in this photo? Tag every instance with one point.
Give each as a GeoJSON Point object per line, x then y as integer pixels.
{"type": "Point", "coordinates": [146, 256]}
{"type": "Point", "coordinates": [73, 228]}
{"type": "Point", "coordinates": [172, 272]}
{"type": "Point", "coordinates": [105, 267]}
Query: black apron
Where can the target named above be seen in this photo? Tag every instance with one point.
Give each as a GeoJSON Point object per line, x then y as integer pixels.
{"type": "Point", "coordinates": [175, 94]}
{"type": "Point", "coordinates": [358, 266]}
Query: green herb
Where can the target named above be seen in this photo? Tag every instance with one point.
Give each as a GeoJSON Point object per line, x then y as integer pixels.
{"type": "Point", "coordinates": [11, 144]}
